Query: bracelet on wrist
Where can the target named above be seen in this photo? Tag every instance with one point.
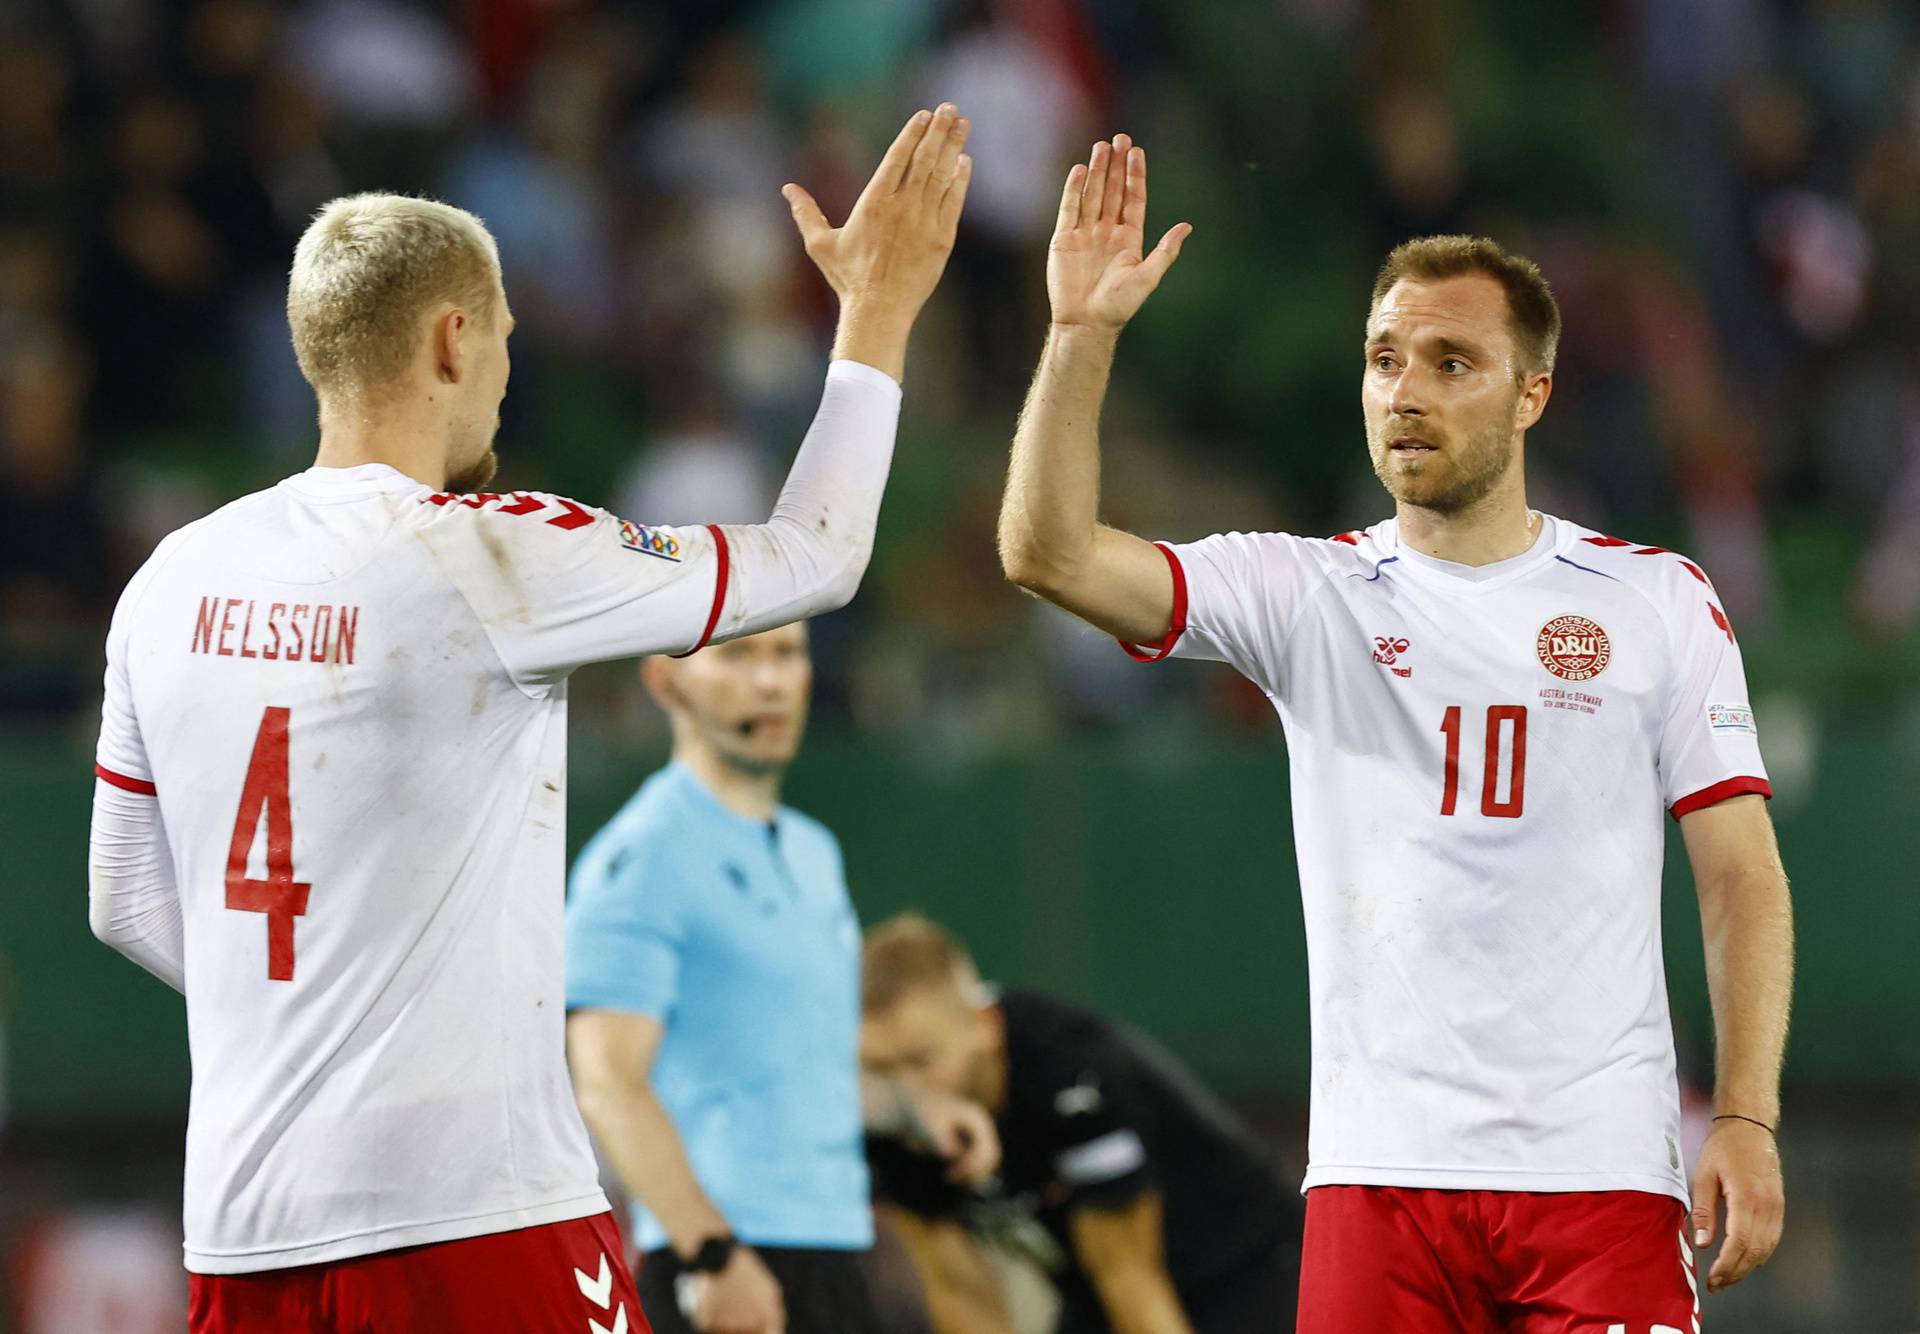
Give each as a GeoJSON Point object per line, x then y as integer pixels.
{"type": "Point", "coordinates": [1735, 1116]}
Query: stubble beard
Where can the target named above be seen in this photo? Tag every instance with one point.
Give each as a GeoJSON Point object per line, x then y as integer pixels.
{"type": "Point", "coordinates": [476, 475]}
{"type": "Point", "coordinates": [1472, 469]}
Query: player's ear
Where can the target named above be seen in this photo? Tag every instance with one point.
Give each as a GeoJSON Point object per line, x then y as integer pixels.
{"type": "Point", "coordinates": [1535, 390]}
{"type": "Point", "coordinates": [450, 326]}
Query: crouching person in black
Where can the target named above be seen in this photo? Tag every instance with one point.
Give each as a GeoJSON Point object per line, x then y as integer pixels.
{"type": "Point", "coordinates": [1153, 1207]}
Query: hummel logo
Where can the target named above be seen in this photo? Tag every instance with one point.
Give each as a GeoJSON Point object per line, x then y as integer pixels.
{"type": "Point", "coordinates": [598, 1291]}
{"type": "Point", "coordinates": [1387, 650]}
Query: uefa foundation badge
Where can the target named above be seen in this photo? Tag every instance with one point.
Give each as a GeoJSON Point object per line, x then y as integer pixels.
{"type": "Point", "coordinates": [1573, 648]}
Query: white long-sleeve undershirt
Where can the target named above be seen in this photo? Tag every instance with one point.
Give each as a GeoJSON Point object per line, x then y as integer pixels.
{"type": "Point", "coordinates": [808, 558]}
{"type": "Point", "coordinates": [133, 904]}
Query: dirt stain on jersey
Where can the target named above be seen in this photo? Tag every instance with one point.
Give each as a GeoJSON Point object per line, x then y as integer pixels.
{"type": "Point", "coordinates": [501, 555]}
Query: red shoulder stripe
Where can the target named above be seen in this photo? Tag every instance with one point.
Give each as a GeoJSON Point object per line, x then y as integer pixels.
{"type": "Point", "coordinates": [1155, 652]}
{"type": "Point", "coordinates": [721, 574]}
{"type": "Point", "coordinates": [1719, 792]}
{"type": "Point", "coordinates": [140, 785]}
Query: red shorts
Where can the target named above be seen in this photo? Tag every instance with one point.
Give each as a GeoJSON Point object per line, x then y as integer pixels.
{"type": "Point", "coordinates": [1515, 1262]}
{"type": "Point", "coordinates": [562, 1278]}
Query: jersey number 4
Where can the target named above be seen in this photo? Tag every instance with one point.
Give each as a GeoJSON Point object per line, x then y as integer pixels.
{"type": "Point", "coordinates": [279, 896]}
{"type": "Point", "coordinates": [1503, 721]}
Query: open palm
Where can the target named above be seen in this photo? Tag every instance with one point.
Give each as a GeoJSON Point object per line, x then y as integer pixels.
{"type": "Point", "coordinates": [1096, 273]}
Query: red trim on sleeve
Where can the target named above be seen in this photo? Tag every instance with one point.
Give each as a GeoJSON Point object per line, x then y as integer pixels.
{"type": "Point", "coordinates": [140, 785]}
{"type": "Point", "coordinates": [719, 589]}
{"type": "Point", "coordinates": [1155, 652]}
{"type": "Point", "coordinates": [1719, 792]}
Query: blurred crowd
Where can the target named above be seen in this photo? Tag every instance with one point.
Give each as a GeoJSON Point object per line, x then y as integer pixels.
{"type": "Point", "coordinates": [1725, 193]}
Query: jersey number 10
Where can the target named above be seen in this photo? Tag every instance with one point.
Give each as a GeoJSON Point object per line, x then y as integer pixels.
{"type": "Point", "coordinates": [1498, 718]}
{"type": "Point", "coordinates": [279, 896]}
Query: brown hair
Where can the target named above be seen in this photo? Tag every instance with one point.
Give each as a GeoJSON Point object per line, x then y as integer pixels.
{"type": "Point", "coordinates": [1533, 315]}
{"type": "Point", "coordinates": [908, 952]}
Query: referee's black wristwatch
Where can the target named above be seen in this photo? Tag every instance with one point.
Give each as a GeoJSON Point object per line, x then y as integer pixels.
{"type": "Point", "coordinates": [713, 1255]}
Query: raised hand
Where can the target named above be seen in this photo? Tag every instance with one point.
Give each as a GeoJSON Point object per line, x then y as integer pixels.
{"type": "Point", "coordinates": [1096, 274]}
{"type": "Point", "coordinates": [885, 261]}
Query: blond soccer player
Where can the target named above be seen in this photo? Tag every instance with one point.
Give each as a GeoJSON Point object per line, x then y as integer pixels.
{"type": "Point", "coordinates": [1489, 711]}
{"type": "Point", "coordinates": [332, 765]}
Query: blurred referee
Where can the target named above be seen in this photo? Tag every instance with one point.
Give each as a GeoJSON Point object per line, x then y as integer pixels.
{"type": "Point", "coordinates": [713, 964]}
{"type": "Point", "coordinates": [1162, 1212]}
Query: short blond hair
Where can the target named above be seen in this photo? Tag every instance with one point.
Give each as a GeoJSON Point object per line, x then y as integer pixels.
{"type": "Point", "coordinates": [908, 953]}
{"type": "Point", "coordinates": [367, 271]}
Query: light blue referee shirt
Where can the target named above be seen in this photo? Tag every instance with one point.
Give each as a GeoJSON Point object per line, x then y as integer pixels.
{"type": "Point", "coordinates": [739, 936]}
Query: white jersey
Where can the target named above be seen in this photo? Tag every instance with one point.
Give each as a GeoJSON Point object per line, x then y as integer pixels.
{"type": "Point", "coordinates": [1480, 761]}
{"type": "Point", "coordinates": [347, 693]}
{"type": "Point", "coordinates": [348, 701]}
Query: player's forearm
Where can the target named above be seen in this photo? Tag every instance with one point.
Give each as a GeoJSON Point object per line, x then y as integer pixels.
{"type": "Point", "coordinates": [1141, 1300]}
{"type": "Point", "coordinates": [132, 901]}
{"type": "Point", "coordinates": [809, 557]}
{"type": "Point", "coordinates": [1050, 512]}
{"type": "Point", "coordinates": [639, 1139]}
{"type": "Point", "coordinates": [1122, 1250]}
{"type": "Point", "coordinates": [1746, 919]}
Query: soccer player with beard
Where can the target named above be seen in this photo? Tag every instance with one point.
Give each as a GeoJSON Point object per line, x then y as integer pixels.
{"type": "Point", "coordinates": [713, 996]}
{"type": "Point", "coordinates": [1487, 710]}
{"type": "Point", "coordinates": [332, 763]}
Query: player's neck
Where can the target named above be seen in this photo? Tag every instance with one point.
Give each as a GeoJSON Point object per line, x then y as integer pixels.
{"type": "Point", "coordinates": [749, 794]}
{"type": "Point", "coordinates": [1498, 528]}
{"type": "Point", "coordinates": [408, 437]}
